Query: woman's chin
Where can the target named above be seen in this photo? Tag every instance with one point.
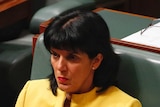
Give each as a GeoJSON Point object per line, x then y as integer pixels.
{"type": "Point", "coordinates": [65, 88]}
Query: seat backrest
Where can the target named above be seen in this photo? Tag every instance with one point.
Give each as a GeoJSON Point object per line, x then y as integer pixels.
{"type": "Point", "coordinates": [41, 67]}
{"type": "Point", "coordinates": [139, 73]}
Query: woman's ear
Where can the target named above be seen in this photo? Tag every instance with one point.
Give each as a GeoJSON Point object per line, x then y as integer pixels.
{"type": "Point", "coordinates": [97, 61]}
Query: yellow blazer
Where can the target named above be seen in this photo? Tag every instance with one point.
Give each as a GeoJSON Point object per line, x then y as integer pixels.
{"type": "Point", "coordinates": [37, 93]}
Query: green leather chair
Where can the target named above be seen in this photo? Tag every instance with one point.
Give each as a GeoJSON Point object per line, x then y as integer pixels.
{"type": "Point", "coordinates": [15, 69]}
{"type": "Point", "coordinates": [52, 10]}
{"type": "Point", "coordinates": [139, 73]}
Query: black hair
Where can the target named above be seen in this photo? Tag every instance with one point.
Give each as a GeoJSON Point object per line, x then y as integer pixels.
{"type": "Point", "coordinates": [88, 32]}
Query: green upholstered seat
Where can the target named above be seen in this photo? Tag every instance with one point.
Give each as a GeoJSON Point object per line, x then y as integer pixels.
{"type": "Point", "coordinates": [139, 73]}
{"type": "Point", "coordinates": [15, 69]}
{"type": "Point", "coordinates": [57, 8]}
{"type": "Point", "coordinates": [42, 69]}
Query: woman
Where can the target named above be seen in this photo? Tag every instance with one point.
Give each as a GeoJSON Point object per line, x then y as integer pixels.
{"type": "Point", "coordinates": [84, 66]}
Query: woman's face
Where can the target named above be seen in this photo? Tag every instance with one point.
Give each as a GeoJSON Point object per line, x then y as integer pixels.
{"type": "Point", "coordinates": [73, 71]}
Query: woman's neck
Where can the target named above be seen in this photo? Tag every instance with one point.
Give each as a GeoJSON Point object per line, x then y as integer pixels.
{"type": "Point", "coordinates": [68, 96]}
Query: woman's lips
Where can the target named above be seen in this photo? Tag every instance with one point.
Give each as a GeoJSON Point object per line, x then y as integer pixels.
{"type": "Point", "coordinates": [62, 79]}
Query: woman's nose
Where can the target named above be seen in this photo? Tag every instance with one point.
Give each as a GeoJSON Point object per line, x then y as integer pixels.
{"type": "Point", "coordinates": [62, 64]}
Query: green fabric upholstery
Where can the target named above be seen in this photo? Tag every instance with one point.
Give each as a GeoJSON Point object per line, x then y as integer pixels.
{"type": "Point", "coordinates": [57, 8]}
{"type": "Point", "coordinates": [86, 1]}
{"type": "Point", "coordinates": [42, 69]}
{"type": "Point", "coordinates": [15, 69]}
{"type": "Point", "coordinates": [139, 73]}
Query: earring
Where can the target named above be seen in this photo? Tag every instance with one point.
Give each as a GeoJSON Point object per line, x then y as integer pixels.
{"type": "Point", "coordinates": [93, 68]}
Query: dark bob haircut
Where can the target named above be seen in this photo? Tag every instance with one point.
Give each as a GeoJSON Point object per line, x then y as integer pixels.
{"type": "Point", "coordinates": [85, 31]}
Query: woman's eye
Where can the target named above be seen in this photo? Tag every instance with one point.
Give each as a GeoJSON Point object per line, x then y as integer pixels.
{"type": "Point", "coordinates": [72, 57]}
{"type": "Point", "coordinates": [55, 55]}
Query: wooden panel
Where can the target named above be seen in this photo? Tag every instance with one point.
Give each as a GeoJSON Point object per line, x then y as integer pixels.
{"type": "Point", "coordinates": [4, 1]}
{"type": "Point", "coordinates": [43, 25]}
{"type": "Point", "coordinates": [13, 11]}
{"type": "Point", "coordinates": [34, 39]}
{"type": "Point", "coordinates": [9, 4]}
{"type": "Point", "coordinates": [145, 7]}
{"type": "Point", "coordinates": [135, 45]}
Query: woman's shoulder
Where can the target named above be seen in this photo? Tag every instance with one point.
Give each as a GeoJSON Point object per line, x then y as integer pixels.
{"type": "Point", "coordinates": [36, 93]}
{"type": "Point", "coordinates": [37, 85]}
{"type": "Point", "coordinates": [39, 88]}
{"type": "Point", "coordinates": [115, 94]}
{"type": "Point", "coordinates": [38, 82]}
